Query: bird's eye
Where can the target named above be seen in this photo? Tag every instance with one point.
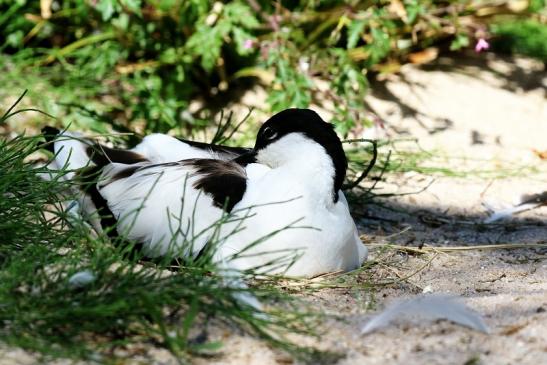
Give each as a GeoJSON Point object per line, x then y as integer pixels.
{"type": "Point", "coordinates": [269, 133]}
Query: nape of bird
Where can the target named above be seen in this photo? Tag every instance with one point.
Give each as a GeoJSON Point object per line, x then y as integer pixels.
{"type": "Point", "coordinates": [280, 203]}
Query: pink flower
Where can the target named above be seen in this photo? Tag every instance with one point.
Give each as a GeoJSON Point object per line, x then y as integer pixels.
{"type": "Point", "coordinates": [248, 44]}
{"type": "Point", "coordinates": [481, 45]}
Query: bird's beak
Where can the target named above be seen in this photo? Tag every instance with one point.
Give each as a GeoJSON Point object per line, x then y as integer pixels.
{"type": "Point", "coordinates": [246, 158]}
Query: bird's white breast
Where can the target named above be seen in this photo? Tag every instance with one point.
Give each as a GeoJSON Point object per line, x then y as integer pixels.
{"type": "Point", "coordinates": [292, 224]}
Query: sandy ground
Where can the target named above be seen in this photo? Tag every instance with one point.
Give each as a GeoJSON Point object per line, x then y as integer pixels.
{"type": "Point", "coordinates": [489, 113]}
{"type": "Point", "coordinates": [485, 113]}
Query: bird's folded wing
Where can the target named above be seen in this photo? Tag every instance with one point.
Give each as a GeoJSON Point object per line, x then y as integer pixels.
{"type": "Point", "coordinates": [171, 206]}
{"type": "Point", "coordinates": [160, 148]}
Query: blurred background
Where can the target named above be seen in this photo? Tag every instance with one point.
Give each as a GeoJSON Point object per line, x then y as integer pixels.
{"type": "Point", "coordinates": [174, 65]}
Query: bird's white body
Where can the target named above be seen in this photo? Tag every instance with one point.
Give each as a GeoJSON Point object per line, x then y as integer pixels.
{"type": "Point", "coordinates": [287, 209]}
{"type": "Point", "coordinates": [294, 200]}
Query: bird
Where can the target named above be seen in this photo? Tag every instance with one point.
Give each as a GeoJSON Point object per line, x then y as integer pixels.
{"type": "Point", "coordinates": [277, 207]}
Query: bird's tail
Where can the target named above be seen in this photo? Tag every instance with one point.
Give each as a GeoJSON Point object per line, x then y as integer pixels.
{"type": "Point", "coordinates": [73, 152]}
{"type": "Point", "coordinates": [81, 159]}
{"type": "Point", "coordinates": [70, 150]}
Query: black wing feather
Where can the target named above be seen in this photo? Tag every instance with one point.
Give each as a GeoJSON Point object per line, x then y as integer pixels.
{"type": "Point", "coordinates": [102, 155]}
{"type": "Point", "coordinates": [224, 181]}
{"type": "Point", "coordinates": [227, 150]}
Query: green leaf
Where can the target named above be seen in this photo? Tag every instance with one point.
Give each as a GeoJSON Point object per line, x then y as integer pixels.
{"type": "Point", "coordinates": [133, 5]}
{"type": "Point", "coordinates": [206, 43]}
{"type": "Point", "coordinates": [107, 8]}
{"type": "Point", "coordinates": [15, 39]}
{"type": "Point", "coordinates": [239, 13]}
{"type": "Point", "coordinates": [459, 42]}
{"type": "Point", "coordinates": [240, 37]}
{"type": "Point", "coordinates": [355, 29]}
{"type": "Point", "coordinates": [413, 10]}
{"type": "Point", "coordinates": [121, 22]}
{"type": "Point", "coordinates": [169, 55]}
{"type": "Point", "coordinates": [166, 4]}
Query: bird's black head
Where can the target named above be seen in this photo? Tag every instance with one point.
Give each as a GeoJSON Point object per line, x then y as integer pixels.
{"type": "Point", "coordinates": [310, 124]}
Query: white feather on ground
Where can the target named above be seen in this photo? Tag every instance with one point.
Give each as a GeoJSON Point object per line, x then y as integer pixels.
{"type": "Point", "coordinates": [527, 202]}
{"type": "Point", "coordinates": [428, 308]}
{"type": "Point", "coordinates": [81, 279]}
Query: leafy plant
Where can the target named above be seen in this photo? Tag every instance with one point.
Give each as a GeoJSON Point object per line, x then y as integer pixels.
{"type": "Point", "coordinates": [150, 60]}
{"type": "Point", "coordinates": [521, 37]}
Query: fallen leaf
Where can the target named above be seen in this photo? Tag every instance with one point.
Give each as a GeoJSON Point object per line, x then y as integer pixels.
{"type": "Point", "coordinates": [397, 8]}
{"type": "Point", "coordinates": [359, 53]}
{"type": "Point", "coordinates": [488, 10]}
{"type": "Point", "coordinates": [425, 56]}
{"type": "Point", "coordinates": [387, 68]}
{"type": "Point", "coordinates": [518, 5]}
{"type": "Point", "coordinates": [265, 76]}
{"type": "Point", "coordinates": [33, 18]}
{"type": "Point", "coordinates": [541, 154]}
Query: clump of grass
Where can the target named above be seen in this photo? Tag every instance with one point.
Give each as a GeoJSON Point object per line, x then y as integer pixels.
{"type": "Point", "coordinates": [126, 301]}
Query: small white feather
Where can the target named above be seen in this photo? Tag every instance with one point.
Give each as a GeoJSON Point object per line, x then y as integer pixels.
{"type": "Point", "coordinates": [508, 212]}
{"type": "Point", "coordinates": [492, 206]}
{"type": "Point", "coordinates": [430, 308]}
{"type": "Point", "coordinates": [81, 279]}
{"type": "Point", "coordinates": [232, 277]}
{"type": "Point", "coordinates": [504, 211]}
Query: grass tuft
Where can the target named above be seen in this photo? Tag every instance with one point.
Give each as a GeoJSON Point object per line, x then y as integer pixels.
{"type": "Point", "coordinates": [125, 303]}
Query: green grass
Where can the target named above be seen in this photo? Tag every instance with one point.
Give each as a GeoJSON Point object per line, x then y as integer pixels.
{"type": "Point", "coordinates": [129, 302]}
{"type": "Point", "coordinates": [73, 98]}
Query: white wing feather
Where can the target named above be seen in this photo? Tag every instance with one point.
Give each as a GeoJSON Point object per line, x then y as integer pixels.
{"type": "Point", "coordinates": [157, 206]}
{"type": "Point", "coordinates": [159, 148]}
